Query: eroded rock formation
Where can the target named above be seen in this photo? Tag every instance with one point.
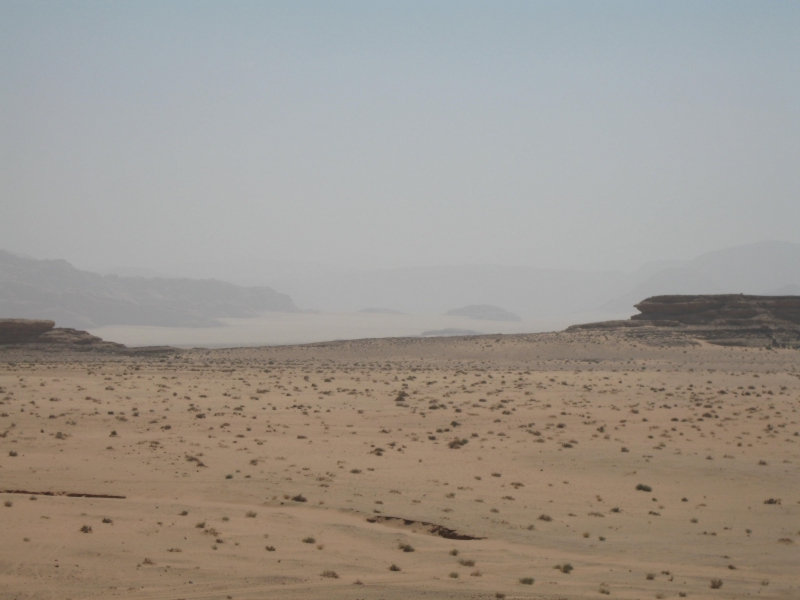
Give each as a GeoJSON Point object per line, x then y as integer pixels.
{"type": "Point", "coordinates": [724, 319]}
{"type": "Point", "coordinates": [19, 331]}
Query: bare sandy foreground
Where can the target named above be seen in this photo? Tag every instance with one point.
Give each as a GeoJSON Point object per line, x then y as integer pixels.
{"type": "Point", "coordinates": [570, 465]}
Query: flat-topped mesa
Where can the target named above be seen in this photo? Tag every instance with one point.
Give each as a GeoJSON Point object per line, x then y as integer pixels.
{"type": "Point", "coordinates": [723, 319]}
{"type": "Point", "coordinates": [720, 309]}
{"type": "Point", "coordinates": [20, 331]}
{"type": "Point", "coordinates": [32, 333]}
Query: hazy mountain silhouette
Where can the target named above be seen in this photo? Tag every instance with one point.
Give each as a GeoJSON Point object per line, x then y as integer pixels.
{"type": "Point", "coordinates": [54, 289]}
{"type": "Point", "coordinates": [484, 312]}
{"type": "Point", "coordinates": [763, 268]}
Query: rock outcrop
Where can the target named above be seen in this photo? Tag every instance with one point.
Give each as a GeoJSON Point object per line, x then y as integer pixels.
{"type": "Point", "coordinates": [19, 331]}
{"type": "Point", "coordinates": [29, 335]}
{"type": "Point", "coordinates": [721, 309]}
{"type": "Point", "coordinates": [724, 319]}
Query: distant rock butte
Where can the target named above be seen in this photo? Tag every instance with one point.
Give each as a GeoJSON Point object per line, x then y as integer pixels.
{"type": "Point", "coordinates": [484, 312]}
{"type": "Point", "coordinates": [16, 331]}
{"type": "Point", "coordinates": [33, 334]}
{"type": "Point", "coordinates": [725, 319]}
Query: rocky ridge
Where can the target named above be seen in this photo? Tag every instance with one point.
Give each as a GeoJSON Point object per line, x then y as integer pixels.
{"type": "Point", "coordinates": [36, 334]}
{"type": "Point", "coordinates": [723, 319]}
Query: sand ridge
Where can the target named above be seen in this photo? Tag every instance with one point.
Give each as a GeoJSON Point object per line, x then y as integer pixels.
{"type": "Point", "coordinates": [255, 472]}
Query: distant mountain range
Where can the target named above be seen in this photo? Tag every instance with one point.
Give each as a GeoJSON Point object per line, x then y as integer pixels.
{"type": "Point", "coordinates": [531, 293]}
{"type": "Point", "coordinates": [54, 289]}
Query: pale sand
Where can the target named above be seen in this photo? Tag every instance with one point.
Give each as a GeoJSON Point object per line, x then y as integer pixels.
{"type": "Point", "coordinates": [545, 416]}
{"type": "Point", "coordinates": [304, 328]}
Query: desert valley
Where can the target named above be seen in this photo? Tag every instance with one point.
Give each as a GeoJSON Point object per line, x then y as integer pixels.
{"type": "Point", "coordinates": [630, 462]}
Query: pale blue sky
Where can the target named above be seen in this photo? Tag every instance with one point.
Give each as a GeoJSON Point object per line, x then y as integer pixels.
{"type": "Point", "coordinates": [553, 134]}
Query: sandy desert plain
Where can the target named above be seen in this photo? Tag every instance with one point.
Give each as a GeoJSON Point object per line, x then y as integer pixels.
{"type": "Point", "coordinates": [559, 466]}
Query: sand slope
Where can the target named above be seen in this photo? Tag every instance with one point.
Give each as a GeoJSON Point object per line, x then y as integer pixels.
{"type": "Point", "coordinates": [534, 443]}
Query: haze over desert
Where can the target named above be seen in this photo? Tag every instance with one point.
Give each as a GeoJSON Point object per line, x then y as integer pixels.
{"type": "Point", "coordinates": [399, 300]}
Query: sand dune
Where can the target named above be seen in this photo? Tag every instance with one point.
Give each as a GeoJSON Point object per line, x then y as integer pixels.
{"type": "Point", "coordinates": [589, 464]}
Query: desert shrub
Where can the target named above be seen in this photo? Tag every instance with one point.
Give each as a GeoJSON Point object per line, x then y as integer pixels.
{"type": "Point", "coordinates": [394, 567]}
{"type": "Point", "coordinates": [644, 488]}
{"type": "Point", "coordinates": [546, 518]}
{"type": "Point", "coordinates": [565, 568]}
{"type": "Point", "coordinates": [300, 498]}
{"type": "Point", "coordinates": [526, 581]}
{"type": "Point", "coordinates": [86, 529]}
{"type": "Point", "coordinates": [716, 584]}
{"type": "Point", "coordinates": [330, 574]}
{"type": "Point", "coordinates": [309, 540]}
{"type": "Point", "coordinates": [466, 563]}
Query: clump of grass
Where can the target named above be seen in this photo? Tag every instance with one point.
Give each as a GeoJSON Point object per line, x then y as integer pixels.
{"type": "Point", "coordinates": [330, 574]}
{"type": "Point", "coordinates": [183, 513]}
{"type": "Point", "coordinates": [86, 529]}
{"type": "Point", "coordinates": [12, 453]}
{"type": "Point", "coordinates": [200, 525]}
{"type": "Point", "coordinates": [500, 595]}
{"type": "Point", "coordinates": [8, 504]}
{"type": "Point", "coordinates": [394, 567]}
{"type": "Point", "coordinates": [466, 563]}
{"type": "Point", "coordinates": [270, 548]}
{"type": "Point", "coordinates": [453, 552]}
{"type": "Point", "coordinates": [355, 471]}
{"type": "Point", "coordinates": [546, 518]}
{"type": "Point", "coordinates": [309, 540]}
{"type": "Point", "coordinates": [650, 576]}
{"type": "Point", "coordinates": [476, 573]}
{"type": "Point", "coordinates": [250, 514]}
{"type": "Point", "coordinates": [406, 547]}
{"type": "Point", "coordinates": [565, 568]}
{"type": "Point", "coordinates": [358, 582]}
{"type": "Point", "coordinates": [174, 550]}
{"type": "Point", "coordinates": [147, 561]}
{"type": "Point", "coordinates": [604, 590]}
{"type": "Point", "coordinates": [644, 488]}
{"type": "Point", "coordinates": [526, 581]}
{"type": "Point", "coordinates": [300, 498]}
{"type": "Point", "coordinates": [107, 520]}
{"type": "Point", "coordinates": [454, 575]}
{"type": "Point", "coordinates": [716, 584]}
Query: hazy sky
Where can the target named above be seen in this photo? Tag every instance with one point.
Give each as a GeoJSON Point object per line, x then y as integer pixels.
{"type": "Point", "coordinates": [559, 134]}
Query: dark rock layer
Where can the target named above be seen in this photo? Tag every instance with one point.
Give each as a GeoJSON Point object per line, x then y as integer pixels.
{"type": "Point", "coordinates": [18, 331]}
{"type": "Point", "coordinates": [723, 319]}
